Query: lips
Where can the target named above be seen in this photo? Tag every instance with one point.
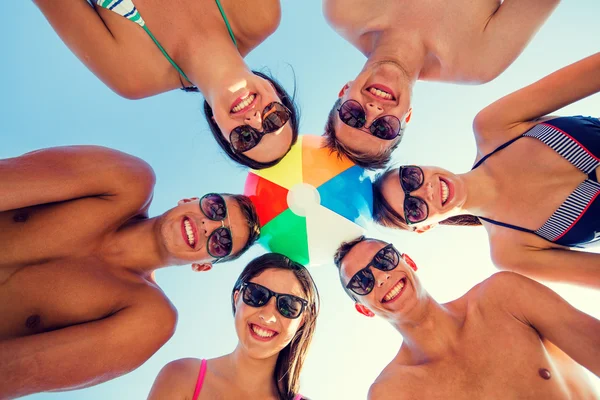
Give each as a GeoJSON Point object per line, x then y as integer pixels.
{"type": "Point", "coordinates": [261, 333]}
{"type": "Point", "coordinates": [381, 92]}
{"type": "Point", "coordinates": [395, 291]}
{"type": "Point", "coordinates": [446, 191]}
{"type": "Point", "coordinates": [243, 103]}
{"type": "Point", "coordinates": [189, 232]}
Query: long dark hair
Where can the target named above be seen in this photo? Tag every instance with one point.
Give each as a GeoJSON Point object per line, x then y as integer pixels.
{"type": "Point", "coordinates": [385, 215]}
{"type": "Point", "coordinates": [286, 100]}
{"type": "Point", "coordinates": [291, 359]}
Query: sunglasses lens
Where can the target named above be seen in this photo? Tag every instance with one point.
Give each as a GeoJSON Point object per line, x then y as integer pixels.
{"type": "Point", "coordinates": [411, 178]}
{"type": "Point", "coordinates": [220, 243]}
{"type": "Point", "coordinates": [289, 306]}
{"type": "Point", "coordinates": [386, 127]}
{"type": "Point", "coordinates": [362, 282]}
{"type": "Point", "coordinates": [243, 138]}
{"type": "Point", "coordinates": [213, 206]}
{"type": "Point", "coordinates": [386, 259]}
{"type": "Point", "coordinates": [255, 295]}
{"type": "Point", "coordinates": [352, 114]}
{"type": "Point", "coordinates": [275, 115]}
{"type": "Point", "coordinates": [415, 210]}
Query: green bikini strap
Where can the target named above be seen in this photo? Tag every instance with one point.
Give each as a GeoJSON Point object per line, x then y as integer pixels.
{"type": "Point", "coordinates": [165, 53]}
{"type": "Point", "coordinates": [226, 22]}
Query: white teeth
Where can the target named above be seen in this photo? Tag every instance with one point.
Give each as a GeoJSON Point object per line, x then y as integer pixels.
{"type": "Point", "coordinates": [445, 191]}
{"type": "Point", "coordinates": [244, 103]}
{"type": "Point", "coordinates": [189, 232]}
{"type": "Point", "coordinates": [262, 332]}
{"type": "Point", "coordinates": [394, 291]}
{"type": "Point", "coordinates": [381, 93]}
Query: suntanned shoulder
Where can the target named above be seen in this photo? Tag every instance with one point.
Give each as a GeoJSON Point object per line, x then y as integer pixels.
{"type": "Point", "coordinates": [396, 382]}
{"type": "Point", "coordinates": [176, 380]}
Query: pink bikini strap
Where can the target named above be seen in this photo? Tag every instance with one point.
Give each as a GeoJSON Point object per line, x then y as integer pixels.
{"type": "Point", "coordinates": [298, 397]}
{"type": "Point", "coordinates": [200, 380]}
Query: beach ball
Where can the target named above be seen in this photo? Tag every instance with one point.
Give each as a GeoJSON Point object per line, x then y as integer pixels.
{"type": "Point", "coordinates": [310, 202]}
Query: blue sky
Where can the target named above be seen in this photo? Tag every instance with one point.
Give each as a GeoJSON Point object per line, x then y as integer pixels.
{"type": "Point", "coordinates": [49, 98]}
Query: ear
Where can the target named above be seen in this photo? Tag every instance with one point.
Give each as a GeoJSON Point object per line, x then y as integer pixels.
{"type": "Point", "coordinates": [183, 201]}
{"type": "Point", "coordinates": [409, 261]}
{"type": "Point", "coordinates": [346, 87]}
{"type": "Point", "coordinates": [201, 267]}
{"type": "Point", "coordinates": [364, 310]}
{"type": "Point", "coordinates": [425, 228]}
{"type": "Point", "coordinates": [406, 119]}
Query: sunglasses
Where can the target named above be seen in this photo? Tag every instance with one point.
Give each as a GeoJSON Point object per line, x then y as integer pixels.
{"type": "Point", "coordinates": [289, 306]}
{"type": "Point", "coordinates": [220, 242]}
{"type": "Point", "coordinates": [352, 113]}
{"type": "Point", "coordinates": [363, 282]}
{"type": "Point", "coordinates": [274, 117]}
{"type": "Point", "coordinates": [415, 208]}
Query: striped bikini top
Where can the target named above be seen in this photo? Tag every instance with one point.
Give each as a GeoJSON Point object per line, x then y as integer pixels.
{"type": "Point", "coordinates": [127, 9]}
{"type": "Point", "coordinates": [577, 221]}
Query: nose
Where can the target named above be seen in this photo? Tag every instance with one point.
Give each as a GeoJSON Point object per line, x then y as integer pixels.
{"type": "Point", "coordinates": [372, 111]}
{"type": "Point", "coordinates": [267, 312]}
{"type": "Point", "coordinates": [382, 278]}
{"type": "Point", "coordinates": [425, 191]}
{"type": "Point", "coordinates": [208, 225]}
{"type": "Point", "coordinates": [254, 119]}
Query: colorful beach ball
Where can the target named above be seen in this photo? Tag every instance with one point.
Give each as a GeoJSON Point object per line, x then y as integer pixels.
{"type": "Point", "coordinates": [310, 202]}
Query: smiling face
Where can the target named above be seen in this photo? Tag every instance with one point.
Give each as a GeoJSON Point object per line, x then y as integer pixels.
{"type": "Point", "coordinates": [185, 230]}
{"type": "Point", "coordinates": [381, 89]}
{"type": "Point", "coordinates": [243, 103]}
{"type": "Point", "coordinates": [263, 332]}
{"type": "Point", "coordinates": [395, 293]}
{"type": "Point", "coordinates": [443, 192]}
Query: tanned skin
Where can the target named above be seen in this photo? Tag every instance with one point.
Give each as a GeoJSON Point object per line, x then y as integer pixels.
{"type": "Point", "coordinates": [78, 299]}
{"type": "Point", "coordinates": [507, 338]}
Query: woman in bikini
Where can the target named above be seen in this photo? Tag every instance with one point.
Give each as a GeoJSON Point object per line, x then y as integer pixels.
{"type": "Point", "coordinates": [534, 186]}
{"type": "Point", "coordinates": [198, 45]}
{"type": "Point", "coordinates": [275, 303]}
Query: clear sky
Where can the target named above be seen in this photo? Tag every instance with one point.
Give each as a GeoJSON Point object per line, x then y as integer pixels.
{"type": "Point", "coordinates": [49, 98]}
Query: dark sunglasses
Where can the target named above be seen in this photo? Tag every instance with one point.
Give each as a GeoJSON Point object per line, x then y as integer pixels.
{"type": "Point", "coordinates": [415, 208]}
{"type": "Point", "coordinates": [363, 282]}
{"type": "Point", "coordinates": [352, 113]}
{"type": "Point", "coordinates": [289, 306]}
{"type": "Point", "coordinates": [220, 242]}
{"type": "Point", "coordinates": [274, 117]}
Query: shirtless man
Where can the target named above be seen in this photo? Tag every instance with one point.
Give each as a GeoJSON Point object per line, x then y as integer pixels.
{"type": "Point", "coordinates": [78, 299]}
{"type": "Point", "coordinates": [491, 343]}
{"type": "Point", "coordinates": [462, 41]}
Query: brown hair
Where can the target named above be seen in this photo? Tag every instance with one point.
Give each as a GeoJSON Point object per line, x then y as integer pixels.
{"type": "Point", "coordinates": [251, 217]}
{"type": "Point", "coordinates": [339, 255]}
{"type": "Point", "coordinates": [385, 215]}
{"type": "Point", "coordinates": [362, 159]}
{"type": "Point", "coordinates": [291, 359]}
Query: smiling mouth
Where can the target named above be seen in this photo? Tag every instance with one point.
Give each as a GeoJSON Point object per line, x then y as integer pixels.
{"type": "Point", "coordinates": [381, 92]}
{"type": "Point", "coordinates": [243, 104]}
{"type": "Point", "coordinates": [262, 334]}
{"type": "Point", "coordinates": [395, 291]}
{"type": "Point", "coordinates": [189, 232]}
{"type": "Point", "coordinates": [445, 191]}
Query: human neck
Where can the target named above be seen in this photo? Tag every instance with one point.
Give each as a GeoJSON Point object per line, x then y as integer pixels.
{"type": "Point", "coordinates": [431, 332]}
{"type": "Point", "coordinates": [255, 376]}
{"type": "Point", "coordinates": [481, 192]}
{"type": "Point", "coordinates": [408, 52]}
{"type": "Point", "coordinates": [135, 247]}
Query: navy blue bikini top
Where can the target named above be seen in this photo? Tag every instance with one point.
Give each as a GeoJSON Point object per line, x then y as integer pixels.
{"type": "Point", "coordinates": [577, 139]}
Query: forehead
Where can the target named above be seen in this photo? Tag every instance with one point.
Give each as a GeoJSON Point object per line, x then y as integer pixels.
{"type": "Point", "coordinates": [239, 226]}
{"type": "Point", "coordinates": [280, 280]}
{"type": "Point", "coordinates": [392, 190]}
{"type": "Point", "coordinates": [359, 257]}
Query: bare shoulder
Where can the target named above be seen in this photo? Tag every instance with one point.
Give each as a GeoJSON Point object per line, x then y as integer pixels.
{"type": "Point", "coordinates": [503, 291]}
{"type": "Point", "coordinates": [176, 380]}
{"type": "Point", "coordinates": [153, 312]}
{"type": "Point", "coordinates": [396, 382]}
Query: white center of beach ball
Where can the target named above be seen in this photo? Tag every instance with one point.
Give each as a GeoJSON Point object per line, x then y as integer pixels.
{"type": "Point", "coordinates": [302, 197]}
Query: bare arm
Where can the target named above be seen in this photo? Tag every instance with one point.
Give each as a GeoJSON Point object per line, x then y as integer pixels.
{"type": "Point", "coordinates": [67, 173]}
{"type": "Point", "coordinates": [574, 332]}
{"type": "Point", "coordinates": [84, 355]}
{"type": "Point", "coordinates": [559, 89]}
{"type": "Point", "coordinates": [551, 264]}
{"type": "Point", "coordinates": [176, 380]}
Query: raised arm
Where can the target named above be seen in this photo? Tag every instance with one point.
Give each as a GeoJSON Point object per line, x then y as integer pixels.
{"type": "Point", "coordinates": [574, 332]}
{"type": "Point", "coordinates": [67, 173]}
{"type": "Point", "coordinates": [84, 355]}
{"type": "Point", "coordinates": [559, 89]}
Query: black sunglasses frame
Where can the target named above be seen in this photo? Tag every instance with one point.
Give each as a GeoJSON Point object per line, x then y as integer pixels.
{"type": "Point", "coordinates": [366, 271]}
{"type": "Point", "coordinates": [258, 135]}
{"type": "Point", "coordinates": [363, 121]}
{"type": "Point", "coordinates": [303, 302]}
{"type": "Point", "coordinates": [218, 230]}
{"type": "Point", "coordinates": [408, 196]}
